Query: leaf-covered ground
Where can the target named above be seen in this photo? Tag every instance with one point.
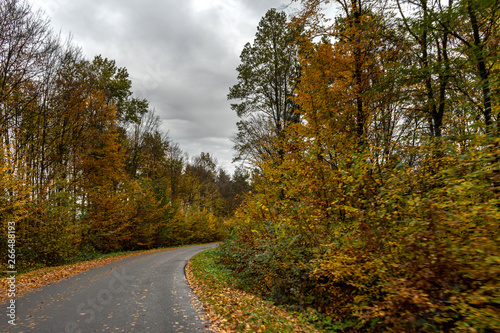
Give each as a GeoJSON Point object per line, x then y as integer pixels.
{"type": "Point", "coordinates": [231, 309]}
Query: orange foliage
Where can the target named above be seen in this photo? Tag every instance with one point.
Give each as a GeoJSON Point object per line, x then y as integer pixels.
{"type": "Point", "coordinates": [372, 219]}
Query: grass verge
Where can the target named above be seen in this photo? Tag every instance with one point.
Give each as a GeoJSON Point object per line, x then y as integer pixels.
{"type": "Point", "coordinates": [232, 310]}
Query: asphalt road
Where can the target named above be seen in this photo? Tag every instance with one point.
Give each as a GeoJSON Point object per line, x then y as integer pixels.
{"type": "Point", "coordinates": [144, 293]}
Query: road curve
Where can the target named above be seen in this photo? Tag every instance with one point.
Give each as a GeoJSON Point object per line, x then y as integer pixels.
{"type": "Point", "coordinates": [147, 293]}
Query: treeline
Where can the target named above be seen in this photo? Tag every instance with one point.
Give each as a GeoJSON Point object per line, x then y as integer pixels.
{"type": "Point", "coordinates": [84, 168]}
{"type": "Point", "coordinates": [377, 205]}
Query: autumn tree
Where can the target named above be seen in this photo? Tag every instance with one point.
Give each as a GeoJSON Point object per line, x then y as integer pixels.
{"type": "Point", "coordinates": [26, 43]}
{"type": "Point", "coordinates": [233, 189]}
{"type": "Point", "coordinates": [84, 167]}
{"type": "Point", "coordinates": [142, 137]}
{"type": "Point", "coordinates": [201, 177]}
{"type": "Point", "coordinates": [383, 213]}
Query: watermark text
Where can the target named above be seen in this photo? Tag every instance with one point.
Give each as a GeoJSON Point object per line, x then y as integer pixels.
{"type": "Point", "coordinates": [11, 266]}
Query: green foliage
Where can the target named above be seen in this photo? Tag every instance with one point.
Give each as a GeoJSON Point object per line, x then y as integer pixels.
{"type": "Point", "coordinates": [115, 84]}
{"type": "Point", "coordinates": [266, 85]}
{"type": "Point", "coordinates": [232, 309]}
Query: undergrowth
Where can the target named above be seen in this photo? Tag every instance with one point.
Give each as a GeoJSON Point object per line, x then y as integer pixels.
{"type": "Point", "coordinates": [231, 306]}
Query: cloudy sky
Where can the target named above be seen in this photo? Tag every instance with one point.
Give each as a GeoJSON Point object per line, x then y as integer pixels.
{"type": "Point", "coordinates": [180, 54]}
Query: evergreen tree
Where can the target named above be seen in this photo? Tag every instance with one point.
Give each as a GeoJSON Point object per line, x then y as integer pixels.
{"type": "Point", "coordinates": [266, 85]}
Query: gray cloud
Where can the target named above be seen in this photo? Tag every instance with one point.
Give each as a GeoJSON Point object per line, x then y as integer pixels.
{"type": "Point", "coordinates": [181, 56]}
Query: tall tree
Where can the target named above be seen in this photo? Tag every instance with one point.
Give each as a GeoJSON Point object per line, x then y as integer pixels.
{"type": "Point", "coordinates": [474, 24]}
{"type": "Point", "coordinates": [267, 80]}
{"type": "Point", "coordinates": [26, 42]}
{"type": "Point", "coordinates": [139, 135]}
{"type": "Point", "coordinates": [115, 83]}
{"type": "Point", "coordinates": [378, 216]}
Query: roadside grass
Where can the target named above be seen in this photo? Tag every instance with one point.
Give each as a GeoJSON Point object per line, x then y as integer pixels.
{"type": "Point", "coordinates": [229, 308]}
{"type": "Point", "coordinates": [39, 277]}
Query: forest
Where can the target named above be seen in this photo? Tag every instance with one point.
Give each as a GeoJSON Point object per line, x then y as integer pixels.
{"type": "Point", "coordinates": [368, 191]}
{"type": "Point", "coordinates": [373, 138]}
{"type": "Point", "coordinates": [84, 167]}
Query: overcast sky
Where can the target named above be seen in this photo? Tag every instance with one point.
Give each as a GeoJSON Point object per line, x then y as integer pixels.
{"type": "Point", "coordinates": [181, 55]}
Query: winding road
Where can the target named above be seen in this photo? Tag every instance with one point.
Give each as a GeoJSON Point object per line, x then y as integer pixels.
{"type": "Point", "coordinates": [147, 293]}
